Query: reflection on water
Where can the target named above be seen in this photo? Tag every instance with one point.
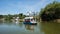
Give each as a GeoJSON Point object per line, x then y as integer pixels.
{"type": "Point", "coordinates": [50, 28]}
{"type": "Point", "coordinates": [13, 28]}
{"type": "Point", "coordinates": [30, 27]}
{"type": "Point", "coordinates": [20, 28]}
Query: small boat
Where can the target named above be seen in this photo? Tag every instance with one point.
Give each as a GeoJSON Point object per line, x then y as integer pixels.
{"type": "Point", "coordinates": [17, 20]}
{"type": "Point", "coordinates": [30, 20]}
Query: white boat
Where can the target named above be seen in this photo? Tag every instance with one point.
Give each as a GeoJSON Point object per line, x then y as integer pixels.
{"type": "Point", "coordinates": [17, 20]}
{"type": "Point", "coordinates": [29, 20]}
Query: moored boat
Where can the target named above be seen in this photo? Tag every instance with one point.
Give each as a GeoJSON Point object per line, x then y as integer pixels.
{"type": "Point", "coordinates": [30, 20]}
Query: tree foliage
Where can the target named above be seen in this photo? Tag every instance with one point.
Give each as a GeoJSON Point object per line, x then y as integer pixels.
{"type": "Point", "coordinates": [51, 11]}
{"type": "Point", "coordinates": [10, 17]}
{"type": "Point", "coordinates": [21, 16]}
{"type": "Point", "coordinates": [1, 16]}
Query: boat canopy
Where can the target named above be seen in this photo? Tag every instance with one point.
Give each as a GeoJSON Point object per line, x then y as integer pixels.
{"type": "Point", "coordinates": [28, 17]}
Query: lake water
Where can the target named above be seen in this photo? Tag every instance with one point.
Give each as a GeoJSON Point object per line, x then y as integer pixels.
{"type": "Point", "coordinates": [20, 28]}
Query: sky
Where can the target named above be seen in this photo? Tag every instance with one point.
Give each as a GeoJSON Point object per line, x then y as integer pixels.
{"type": "Point", "coordinates": [22, 6]}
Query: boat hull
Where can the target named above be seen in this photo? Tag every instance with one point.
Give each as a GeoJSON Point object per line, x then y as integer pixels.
{"type": "Point", "coordinates": [30, 23]}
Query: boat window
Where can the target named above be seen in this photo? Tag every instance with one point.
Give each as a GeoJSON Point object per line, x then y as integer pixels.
{"type": "Point", "coordinates": [27, 20]}
{"type": "Point", "coordinates": [31, 19]}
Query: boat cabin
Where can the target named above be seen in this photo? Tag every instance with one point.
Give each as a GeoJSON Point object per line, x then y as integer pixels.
{"type": "Point", "coordinates": [29, 20]}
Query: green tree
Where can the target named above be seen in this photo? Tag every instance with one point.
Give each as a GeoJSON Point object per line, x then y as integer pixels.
{"type": "Point", "coordinates": [21, 16]}
{"type": "Point", "coordinates": [1, 16]}
{"type": "Point", "coordinates": [51, 11]}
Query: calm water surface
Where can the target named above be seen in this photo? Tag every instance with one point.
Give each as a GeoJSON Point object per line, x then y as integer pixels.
{"type": "Point", "coordinates": [20, 28]}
